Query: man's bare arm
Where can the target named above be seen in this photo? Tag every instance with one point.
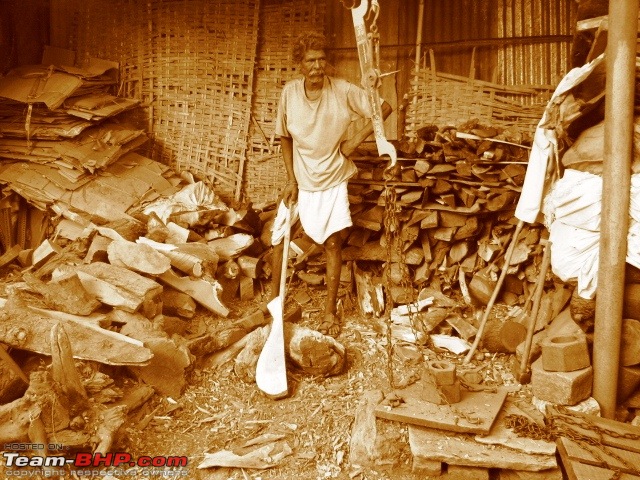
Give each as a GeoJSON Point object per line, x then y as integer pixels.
{"type": "Point", "coordinates": [347, 147]}
{"type": "Point", "coordinates": [290, 193]}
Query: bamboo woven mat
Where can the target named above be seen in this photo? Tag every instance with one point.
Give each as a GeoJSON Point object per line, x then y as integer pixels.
{"type": "Point", "coordinates": [191, 62]}
{"type": "Point", "coordinates": [280, 22]}
{"type": "Point", "coordinates": [443, 99]}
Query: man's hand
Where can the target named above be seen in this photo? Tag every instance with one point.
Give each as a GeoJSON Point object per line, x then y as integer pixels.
{"type": "Point", "coordinates": [290, 194]}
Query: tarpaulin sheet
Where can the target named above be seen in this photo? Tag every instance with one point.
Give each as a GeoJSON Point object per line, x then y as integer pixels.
{"type": "Point", "coordinates": [543, 167]}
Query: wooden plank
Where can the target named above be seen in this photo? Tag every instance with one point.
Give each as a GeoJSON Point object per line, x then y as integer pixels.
{"type": "Point", "coordinates": [576, 470]}
{"type": "Point", "coordinates": [579, 471]}
{"type": "Point", "coordinates": [462, 449]}
{"type": "Point", "coordinates": [584, 424]}
{"type": "Point", "coordinates": [474, 413]}
{"type": "Point", "coordinates": [608, 457]}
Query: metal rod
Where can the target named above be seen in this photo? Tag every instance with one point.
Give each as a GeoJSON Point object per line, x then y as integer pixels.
{"type": "Point", "coordinates": [494, 295]}
{"type": "Point", "coordinates": [616, 181]}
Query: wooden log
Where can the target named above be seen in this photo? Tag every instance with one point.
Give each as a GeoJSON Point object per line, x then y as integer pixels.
{"type": "Point", "coordinates": [503, 336]}
{"type": "Point", "coordinates": [203, 291]}
{"type": "Point", "coordinates": [138, 257]}
{"type": "Point", "coordinates": [121, 288]}
{"type": "Point", "coordinates": [630, 348]}
{"type": "Point", "coordinates": [63, 369]}
{"type": "Point", "coordinates": [28, 328]}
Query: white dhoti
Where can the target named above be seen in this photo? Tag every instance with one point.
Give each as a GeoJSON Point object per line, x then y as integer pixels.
{"type": "Point", "coordinates": [321, 214]}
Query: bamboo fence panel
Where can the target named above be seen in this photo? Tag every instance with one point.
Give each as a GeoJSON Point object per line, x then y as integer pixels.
{"type": "Point", "coordinates": [443, 99]}
{"type": "Point", "coordinates": [281, 21]}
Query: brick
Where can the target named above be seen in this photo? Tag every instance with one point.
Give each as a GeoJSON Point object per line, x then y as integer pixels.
{"type": "Point", "coordinates": [423, 466]}
{"type": "Point", "coordinates": [565, 353]}
{"type": "Point", "coordinates": [458, 472]}
{"type": "Point", "coordinates": [564, 388]}
{"type": "Point", "coordinates": [550, 474]}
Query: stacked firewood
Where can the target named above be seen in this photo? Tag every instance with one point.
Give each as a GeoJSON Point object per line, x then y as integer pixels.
{"type": "Point", "coordinates": [444, 215]}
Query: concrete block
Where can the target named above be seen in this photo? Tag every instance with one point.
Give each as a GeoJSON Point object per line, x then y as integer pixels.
{"type": "Point", "coordinates": [565, 353]}
{"type": "Point", "coordinates": [564, 388]}
{"type": "Point", "coordinates": [458, 472]}
{"type": "Point", "coordinates": [589, 406]}
{"type": "Point", "coordinates": [443, 372]}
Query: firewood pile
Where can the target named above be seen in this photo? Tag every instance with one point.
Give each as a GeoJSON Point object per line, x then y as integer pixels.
{"type": "Point", "coordinates": [119, 301]}
{"type": "Point", "coordinates": [452, 195]}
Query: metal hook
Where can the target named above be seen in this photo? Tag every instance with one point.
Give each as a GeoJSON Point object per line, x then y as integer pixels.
{"type": "Point", "coordinates": [375, 10]}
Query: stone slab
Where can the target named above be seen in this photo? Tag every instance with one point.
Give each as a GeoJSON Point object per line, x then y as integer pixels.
{"type": "Point", "coordinates": [462, 449]}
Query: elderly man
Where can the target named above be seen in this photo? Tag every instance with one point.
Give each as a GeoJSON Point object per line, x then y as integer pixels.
{"type": "Point", "coordinates": [313, 116]}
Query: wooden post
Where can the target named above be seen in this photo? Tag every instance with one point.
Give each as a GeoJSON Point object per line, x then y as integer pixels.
{"type": "Point", "coordinates": [616, 176]}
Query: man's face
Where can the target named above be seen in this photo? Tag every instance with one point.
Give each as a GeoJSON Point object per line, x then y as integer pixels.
{"type": "Point", "coordinates": [312, 67]}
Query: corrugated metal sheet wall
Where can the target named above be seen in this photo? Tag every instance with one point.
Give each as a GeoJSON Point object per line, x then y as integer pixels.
{"type": "Point", "coordinates": [546, 61]}
{"type": "Point", "coordinates": [511, 42]}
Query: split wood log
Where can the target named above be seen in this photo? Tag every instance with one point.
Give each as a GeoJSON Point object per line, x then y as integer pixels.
{"type": "Point", "coordinates": [121, 288]}
{"type": "Point", "coordinates": [250, 266]}
{"type": "Point", "coordinates": [369, 291]}
{"type": "Point", "coordinates": [247, 288]}
{"type": "Point", "coordinates": [195, 259]}
{"type": "Point", "coordinates": [38, 438]}
{"type": "Point", "coordinates": [108, 425]}
{"type": "Point", "coordinates": [66, 293]}
{"type": "Point", "coordinates": [44, 252]}
{"type": "Point", "coordinates": [10, 255]}
{"type": "Point", "coordinates": [63, 369]}
{"type": "Point", "coordinates": [362, 447]}
{"type": "Point", "coordinates": [231, 246]}
{"type": "Point", "coordinates": [166, 371]}
{"type": "Point", "coordinates": [15, 417]}
{"type": "Point", "coordinates": [177, 303]}
{"type": "Point", "coordinates": [12, 365]}
{"type": "Point", "coordinates": [28, 328]}
{"type": "Point", "coordinates": [204, 291]}
{"type": "Point", "coordinates": [138, 257]}
{"type": "Point", "coordinates": [185, 262]}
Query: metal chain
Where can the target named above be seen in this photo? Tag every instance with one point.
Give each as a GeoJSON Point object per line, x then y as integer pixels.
{"type": "Point", "coordinates": [391, 225]}
{"type": "Point", "coordinates": [395, 251]}
{"type": "Point", "coordinates": [525, 427]}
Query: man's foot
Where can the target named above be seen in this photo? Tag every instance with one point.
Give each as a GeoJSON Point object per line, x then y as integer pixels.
{"type": "Point", "coordinates": [330, 325]}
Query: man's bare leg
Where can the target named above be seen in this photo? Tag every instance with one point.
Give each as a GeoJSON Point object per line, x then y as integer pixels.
{"type": "Point", "coordinates": [333, 249]}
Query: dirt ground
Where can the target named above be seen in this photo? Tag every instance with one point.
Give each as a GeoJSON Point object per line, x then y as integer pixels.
{"type": "Point", "coordinates": [312, 427]}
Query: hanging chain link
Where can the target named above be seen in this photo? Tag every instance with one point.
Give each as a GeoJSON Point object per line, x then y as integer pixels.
{"type": "Point", "coordinates": [562, 427]}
